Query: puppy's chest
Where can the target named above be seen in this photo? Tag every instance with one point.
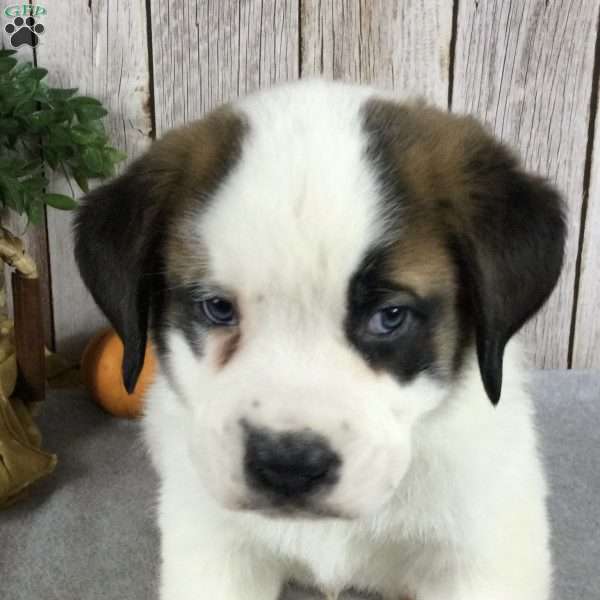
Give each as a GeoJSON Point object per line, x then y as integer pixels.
{"type": "Point", "coordinates": [331, 556]}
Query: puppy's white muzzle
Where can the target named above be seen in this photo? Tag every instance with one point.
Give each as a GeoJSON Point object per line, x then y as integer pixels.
{"type": "Point", "coordinates": [313, 454]}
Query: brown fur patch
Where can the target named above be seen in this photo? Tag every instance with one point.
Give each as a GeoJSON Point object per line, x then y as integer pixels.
{"type": "Point", "coordinates": [178, 176]}
{"type": "Point", "coordinates": [229, 346]}
{"type": "Point", "coordinates": [430, 170]}
{"type": "Point", "coordinates": [444, 161]}
{"type": "Point", "coordinates": [420, 261]}
{"type": "Point", "coordinates": [459, 192]}
{"type": "Point", "coordinates": [191, 162]}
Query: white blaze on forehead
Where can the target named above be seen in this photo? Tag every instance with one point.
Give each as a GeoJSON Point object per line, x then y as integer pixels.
{"type": "Point", "coordinates": [299, 210]}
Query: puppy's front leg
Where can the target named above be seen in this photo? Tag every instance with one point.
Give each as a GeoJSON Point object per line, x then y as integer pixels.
{"type": "Point", "coordinates": [217, 571]}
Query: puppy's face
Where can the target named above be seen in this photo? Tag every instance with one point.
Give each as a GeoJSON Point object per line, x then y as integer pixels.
{"type": "Point", "coordinates": [318, 266]}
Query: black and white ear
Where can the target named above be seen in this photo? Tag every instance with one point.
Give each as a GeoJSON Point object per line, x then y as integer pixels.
{"type": "Point", "coordinates": [118, 231]}
{"type": "Point", "coordinates": [512, 247]}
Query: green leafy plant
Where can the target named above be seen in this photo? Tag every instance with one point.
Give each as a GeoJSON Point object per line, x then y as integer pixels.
{"type": "Point", "coordinates": [44, 128]}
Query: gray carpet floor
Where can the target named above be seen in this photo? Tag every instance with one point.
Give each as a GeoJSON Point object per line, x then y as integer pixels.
{"type": "Point", "coordinates": [88, 533]}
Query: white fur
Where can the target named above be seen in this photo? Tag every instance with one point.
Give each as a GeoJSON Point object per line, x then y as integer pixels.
{"type": "Point", "coordinates": [445, 492]}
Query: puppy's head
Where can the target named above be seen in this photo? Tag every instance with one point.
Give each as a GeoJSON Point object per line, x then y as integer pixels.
{"type": "Point", "coordinates": [318, 265]}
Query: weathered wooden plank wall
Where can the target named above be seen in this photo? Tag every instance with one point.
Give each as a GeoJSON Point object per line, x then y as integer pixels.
{"type": "Point", "coordinates": [586, 342]}
{"type": "Point", "coordinates": [206, 53]}
{"type": "Point", "coordinates": [395, 45]}
{"type": "Point", "coordinates": [527, 69]}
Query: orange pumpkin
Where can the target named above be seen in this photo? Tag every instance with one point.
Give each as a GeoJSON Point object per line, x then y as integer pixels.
{"type": "Point", "coordinates": [101, 370]}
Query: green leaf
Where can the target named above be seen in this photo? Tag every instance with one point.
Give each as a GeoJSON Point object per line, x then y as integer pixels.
{"type": "Point", "coordinates": [97, 126]}
{"type": "Point", "coordinates": [22, 69]}
{"type": "Point", "coordinates": [114, 156]}
{"type": "Point", "coordinates": [60, 94]}
{"type": "Point", "coordinates": [108, 169]}
{"type": "Point", "coordinates": [52, 157]}
{"type": "Point", "coordinates": [6, 64]}
{"type": "Point", "coordinates": [25, 107]}
{"type": "Point", "coordinates": [60, 201]}
{"type": "Point", "coordinates": [81, 101]}
{"type": "Point", "coordinates": [34, 184]}
{"type": "Point", "coordinates": [38, 73]}
{"type": "Point", "coordinates": [9, 125]}
{"type": "Point", "coordinates": [9, 164]}
{"type": "Point", "coordinates": [40, 119]}
{"type": "Point", "coordinates": [92, 159]}
{"type": "Point", "coordinates": [83, 135]}
{"type": "Point", "coordinates": [12, 196]}
{"type": "Point", "coordinates": [61, 152]}
{"type": "Point", "coordinates": [35, 212]}
{"type": "Point", "coordinates": [63, 114]}
{"type": "Point", "coordinates": [82, 180]}
{"type": "Point", "coordinates": [27, 85]}
{"type": "Point", "coordinates": [90, 113]}
{"type": "Point", "coordinates": [43, 128]}
{"type": "Point", "coordinates": [19, 169]}
{"type": "Point", "coordinates": [41, 96]}
{"type": "Point", "coordinates": [32, 167]}
{"type": "Point", "coordinates": [59, 135]}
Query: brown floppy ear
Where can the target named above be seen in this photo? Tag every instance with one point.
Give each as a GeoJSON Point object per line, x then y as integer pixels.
{"type": "Point", "coordinates": [510, 238]}
{"type": "Point", "coordinates": [120, 228]}
{"type": "Point", "coordinates": [118, 231]}
{"type": "Point", "coordinates": [505, 228]}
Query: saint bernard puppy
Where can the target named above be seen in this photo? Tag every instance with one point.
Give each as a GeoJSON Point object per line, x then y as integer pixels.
{"type": "Point", "coordinates": [331, 279]}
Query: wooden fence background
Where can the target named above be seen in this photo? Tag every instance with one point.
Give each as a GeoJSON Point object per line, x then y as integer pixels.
{"type": "Point", "coordinates": [528, 69]}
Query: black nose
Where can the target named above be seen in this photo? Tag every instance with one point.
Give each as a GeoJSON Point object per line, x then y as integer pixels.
{"type": "Point", "coordinates": [289, 465]}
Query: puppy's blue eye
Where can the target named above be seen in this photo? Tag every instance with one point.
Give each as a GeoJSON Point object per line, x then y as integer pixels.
{"type": "Point", "coordinates": [387, 320]}
{"type": "Point", "coordinates": [219, 311]}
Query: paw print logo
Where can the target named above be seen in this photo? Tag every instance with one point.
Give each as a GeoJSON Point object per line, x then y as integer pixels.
{"type": "Point", "coordinates": [24, 31]}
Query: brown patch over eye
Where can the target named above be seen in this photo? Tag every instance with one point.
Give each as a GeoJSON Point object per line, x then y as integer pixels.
{"type": "Point", "coordinates": [229, 346]}
{"type": "Point", "coordinates": [197, 158]}
{"type": "Point", "coordinates": [419, 260]}
{"type": "Point", "coordinates": [420, 158]}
